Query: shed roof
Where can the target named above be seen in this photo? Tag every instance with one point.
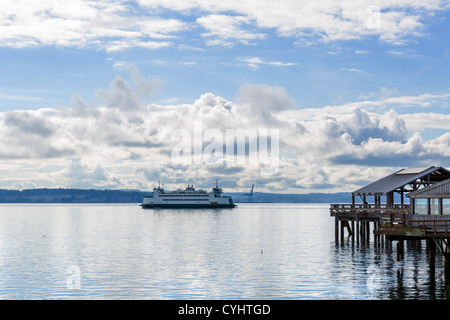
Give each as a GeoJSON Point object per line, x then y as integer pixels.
{"type": "Point", "coordinates": [398, 180]}
{"type": "Point", "coordinates": [437, 190]}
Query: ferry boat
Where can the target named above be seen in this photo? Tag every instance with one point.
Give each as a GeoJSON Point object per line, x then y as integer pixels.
{"type": "Point", "coordinates": [187, 198]}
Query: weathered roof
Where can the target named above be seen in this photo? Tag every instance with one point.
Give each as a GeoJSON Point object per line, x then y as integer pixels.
{"type": "Point", "coordinates": [437, 190]}
{"type": "Point", "coordinates": [401, 178]}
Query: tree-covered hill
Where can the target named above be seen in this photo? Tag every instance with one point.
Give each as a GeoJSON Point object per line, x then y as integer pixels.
{"type": "Point", "coordinates": [60, 195]}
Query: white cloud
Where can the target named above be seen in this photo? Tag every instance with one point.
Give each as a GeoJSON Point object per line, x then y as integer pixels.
{"type": "Point", "coordinates": [119, 141]}
{"type": "Point", "coordinates": [158, 28]}
{"type": "Point", "coordinates": [440, 145]}
{"type": "Point", "coordinates": [362, 126]}
{"type": "Point", "coordinates": [256, 62]}
{"type": "Point", "coordinates": [261, 102]}
{"type": "Point", "coordinates": [423, 100]}
{"type": "Point", "coordinates": [425, 121]}
{"type": "Point", "coordinates": [405, 53]}
{"type": "Point", "coordinates": [351, 69]}
{"type": "Point", "coordinates": [115, 25]}
{"type": "Point", "coordinates": [80, 175]}
{"type": "Point", "coordinates": [19, 97]}
{"type": "Point", "coordinates": [113, 46]}
{"type": "Point", "coordinates": [107, 24]}
{"type": "Point", "coordinates": [227, 28]}
{"type": "Point", "coordinates": [392, 21]}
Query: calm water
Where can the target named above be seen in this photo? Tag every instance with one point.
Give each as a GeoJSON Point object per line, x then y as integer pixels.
{"type": "Point", "coordinates": [254, 251]}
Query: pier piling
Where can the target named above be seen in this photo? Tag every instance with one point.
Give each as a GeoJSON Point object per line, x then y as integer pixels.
{"type": "Point", "coordinates": [432, 255]}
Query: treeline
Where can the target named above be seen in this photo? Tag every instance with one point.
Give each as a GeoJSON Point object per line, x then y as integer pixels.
{"type": "Point", "coordinates": [261, 197]}
{"type": "Point", "coordinates": [59, 195]}
{"type": "Point", "coordinates": [47, 195]}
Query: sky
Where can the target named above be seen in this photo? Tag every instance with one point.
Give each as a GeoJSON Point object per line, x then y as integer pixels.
{"type": "Point", "coordinates": [327, 95]}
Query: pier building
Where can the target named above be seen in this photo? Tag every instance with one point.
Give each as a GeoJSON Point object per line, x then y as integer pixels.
{"type": "Point", "coordinates": [409, 204]}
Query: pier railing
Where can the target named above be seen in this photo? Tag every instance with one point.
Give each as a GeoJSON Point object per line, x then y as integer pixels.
{"type": "Point", "coordinates": [369, 208]}
{"type": "Point", "coordinates": [394, 219]}
{"type": "Point", "coordinates": [434, 225]}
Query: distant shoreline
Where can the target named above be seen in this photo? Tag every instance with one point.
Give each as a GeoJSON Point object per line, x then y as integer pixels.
{"type": "Point", "coordinates": [61, 195]}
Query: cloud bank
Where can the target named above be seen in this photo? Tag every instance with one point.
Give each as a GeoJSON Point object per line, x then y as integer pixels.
{"type": "Point", "coordinates": [115, 25]}
{"type": "Point", "coordinates": [119, 141]}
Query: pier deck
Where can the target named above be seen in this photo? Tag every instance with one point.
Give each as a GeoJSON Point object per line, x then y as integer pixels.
{"type": "Point", "coordinates": [391, 220]}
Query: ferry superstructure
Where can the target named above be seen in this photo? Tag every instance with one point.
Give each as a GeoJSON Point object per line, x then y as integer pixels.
{"type": "Point", "coordinates": [188, 198]}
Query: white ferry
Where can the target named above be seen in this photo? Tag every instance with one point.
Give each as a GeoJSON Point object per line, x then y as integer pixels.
{"type": "Point", "coordinates": [187, 198]}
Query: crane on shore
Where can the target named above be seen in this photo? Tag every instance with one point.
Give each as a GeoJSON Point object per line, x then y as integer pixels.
{"type": "Point", "coordinates": [251, 191]}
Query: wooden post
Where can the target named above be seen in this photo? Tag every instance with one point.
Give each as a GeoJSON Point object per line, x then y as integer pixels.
{"type": "Point", "coordinates": [447, 264]}
{"type": "Point", "coordinates": [432, 256]}
{"type": "Point", "coordinates": [346, 224]}
{"type": "Point", "coordinates": [368, 231]}
{"type": "Point", "coordinates": [362, 227]}
{"type": "Point", "coordinates": [378, 227]}
{"type": "Point", "coordinates": [336, 228]}
{"type": "Point", "coordinates": [357, 227]}
{"type": "Point", "coordinates": [400, 249]}
{"type": "Point", "coordinates": [375, 236]}
{"type": "Point", "coordinates": [353, 229]}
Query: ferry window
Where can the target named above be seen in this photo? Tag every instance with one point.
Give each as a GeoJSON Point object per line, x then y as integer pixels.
{"type": "Point", "coordinates": [445, 206]}
{"type": "Point", "coordinates": [420, 206]}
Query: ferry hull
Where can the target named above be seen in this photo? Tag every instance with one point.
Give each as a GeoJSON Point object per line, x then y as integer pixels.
{"type": "Point", "coordinates": [186, 206]}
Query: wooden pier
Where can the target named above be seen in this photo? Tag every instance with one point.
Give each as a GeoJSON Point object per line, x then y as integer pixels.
{"type": "Point", "coordinates": [388, 221]}
{"type": "Point", "coordinates": [397, 225]}
{"type": "Point", "coordinates": [356, 218]}
{"type": "Point", "coordinates": [426, 218]}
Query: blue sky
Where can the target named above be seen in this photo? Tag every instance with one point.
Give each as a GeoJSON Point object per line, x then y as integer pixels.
{"type": "Point", "coordinates": [91, 92]}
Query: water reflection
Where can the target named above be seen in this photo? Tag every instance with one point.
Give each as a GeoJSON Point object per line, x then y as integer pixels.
{"type": "Point", "coordinates": [385, 277]}
{"type": "Point", "coordinates": [254, 251]}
